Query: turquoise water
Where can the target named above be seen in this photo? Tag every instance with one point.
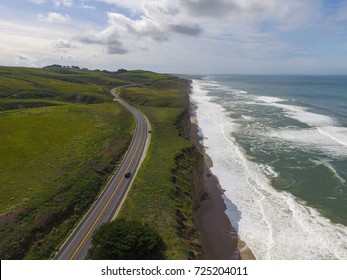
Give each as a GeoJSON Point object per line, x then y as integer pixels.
{"type": "Point", "coordinates": [279, 146]}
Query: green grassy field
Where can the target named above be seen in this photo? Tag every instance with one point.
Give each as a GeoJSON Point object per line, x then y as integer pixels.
{"type": "Point", "coordinates": [40, 145]}
{"type": "Point", "coordinates": [61, 136]}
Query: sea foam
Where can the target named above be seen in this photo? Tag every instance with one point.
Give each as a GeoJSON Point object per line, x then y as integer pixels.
{"type": "Point", "coordinates": [324, 133]}
{"type": "Point", "coordinates": [298, 112]}
{"type": "Point", "coordinates": [274, 224]}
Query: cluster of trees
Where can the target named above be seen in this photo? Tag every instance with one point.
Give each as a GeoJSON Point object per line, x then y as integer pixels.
{"type": "Point", "coordinates": [126, 240]}
{"type": "Point", "coordinates": [61, 66]}
{"type": "Point", "coordinates": [119, 71]}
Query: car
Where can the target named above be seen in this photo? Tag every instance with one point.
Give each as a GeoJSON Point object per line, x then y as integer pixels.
{"type": "Point", "coordinates": [127, 175]}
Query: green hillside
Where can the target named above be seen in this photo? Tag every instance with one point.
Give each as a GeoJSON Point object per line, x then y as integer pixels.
{"type": "Point", "coordinates": [62, 136]}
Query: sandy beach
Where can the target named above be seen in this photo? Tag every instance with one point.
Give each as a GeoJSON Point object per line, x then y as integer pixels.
{"type": "Point", "coordinates": [219, 239]}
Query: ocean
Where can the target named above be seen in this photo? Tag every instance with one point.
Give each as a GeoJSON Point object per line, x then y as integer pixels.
{"type": "Point", "coordinates": [279, 149]}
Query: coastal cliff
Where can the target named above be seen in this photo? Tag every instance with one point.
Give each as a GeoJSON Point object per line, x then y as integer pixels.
{"type": "Point", "coordinates": [198, 191]}
{"type": "Point", "coordinates": [190, 188]}
{"type": "Point", "coordinates": [195, 184]}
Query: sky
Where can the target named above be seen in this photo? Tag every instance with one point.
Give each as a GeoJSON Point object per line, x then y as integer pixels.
{"type": "Point", "coordinates": [177, 36]}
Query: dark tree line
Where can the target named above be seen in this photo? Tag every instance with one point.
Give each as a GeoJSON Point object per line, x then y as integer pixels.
{"type": "Point", "coordinates": [126, 240]}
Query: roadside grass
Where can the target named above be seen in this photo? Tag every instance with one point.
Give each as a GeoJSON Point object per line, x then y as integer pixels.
{"type": "Point", "coordinates": [140, 76]}
{"type": "Point", "coordinates": [161, 194]}
{"type": "Point", "coordinates": [149, 96]}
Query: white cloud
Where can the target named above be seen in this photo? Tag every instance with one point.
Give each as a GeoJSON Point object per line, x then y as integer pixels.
{"type": "Point", "coordinates": [53, 17]}
{"type": "Point", "coordinates": [38, 1]}
{"type": "Point", "coordinates": [87, 7]}
{"type": "Point", "coordinates": [25, 60]}
{"type": "Point", "coordinates": [156, 23]}
{"type": "Point", "coordinates": [109, 38]}
{"type": "Point", "coordinates": [22, 57]}
{"type": "Point", "coordinates": [62, 45]}
{"type": "Point", "coordinates": [134, 6]}
{"type": "Point", "coordinates": [220, 16]}
{"type": "Point", "coordinates": [145, 26]}
{"type": "Point", "coordinates": [67, 57]}
{"type": "Point", "coordinates": [63, 3]}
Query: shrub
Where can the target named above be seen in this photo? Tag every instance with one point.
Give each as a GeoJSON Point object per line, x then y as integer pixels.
{"type": "Point", "coordinates": [126, 240]}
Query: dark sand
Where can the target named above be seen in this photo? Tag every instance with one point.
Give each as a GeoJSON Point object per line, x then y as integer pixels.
{"type": "Point", "coordinates": [218, 238]}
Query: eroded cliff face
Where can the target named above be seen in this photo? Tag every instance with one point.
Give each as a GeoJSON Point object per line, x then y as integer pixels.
{"type": "Point", "coordinates": [190, 188]}
{"type": "Point", "coordinates": [198, 191]}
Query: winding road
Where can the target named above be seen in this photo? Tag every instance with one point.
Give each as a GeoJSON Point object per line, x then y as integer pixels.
{"type": "Point", "coordinates": [111, 199]}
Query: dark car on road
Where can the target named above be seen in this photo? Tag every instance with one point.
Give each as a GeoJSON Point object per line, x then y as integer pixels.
{"type": "Point", "coordinates": [127, 175]}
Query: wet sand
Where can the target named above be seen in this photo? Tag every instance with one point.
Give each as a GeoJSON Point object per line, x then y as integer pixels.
{"type": "Point", "coordinates": [219, 239]}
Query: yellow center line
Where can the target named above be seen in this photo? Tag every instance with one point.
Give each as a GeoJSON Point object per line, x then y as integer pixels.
{"type": "Point", "coordinates": [109, 200]}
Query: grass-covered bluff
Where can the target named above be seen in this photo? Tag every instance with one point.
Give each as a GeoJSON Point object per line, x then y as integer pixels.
{"type": "Point", "coordinates": [163, 190]}
{"type": "Point", "coordinates": [62, 135]}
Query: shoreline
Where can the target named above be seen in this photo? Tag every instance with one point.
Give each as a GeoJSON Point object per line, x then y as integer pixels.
{"type": "Point", "coordinates": [214, 226]}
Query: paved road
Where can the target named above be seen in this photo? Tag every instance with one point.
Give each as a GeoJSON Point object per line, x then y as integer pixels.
{"type": "Point", "coordinates": [77, 245]}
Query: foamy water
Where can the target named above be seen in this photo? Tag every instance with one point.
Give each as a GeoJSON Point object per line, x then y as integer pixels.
{"type": "Point", "coordinates": [323, 132]}
{"type": "Point", "coordinates": [275, 224]}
